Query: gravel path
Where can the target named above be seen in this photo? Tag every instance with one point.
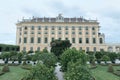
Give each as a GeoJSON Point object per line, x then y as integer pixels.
{"type": "Point", "coordinates": [59, 74]}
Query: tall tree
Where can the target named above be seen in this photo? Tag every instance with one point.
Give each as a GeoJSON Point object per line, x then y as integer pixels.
{"type": "Point", "coordinates": [58, 46]}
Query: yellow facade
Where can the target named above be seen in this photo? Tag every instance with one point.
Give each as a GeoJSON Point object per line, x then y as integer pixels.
{"type": "Point", "coordinates": [83, 34]}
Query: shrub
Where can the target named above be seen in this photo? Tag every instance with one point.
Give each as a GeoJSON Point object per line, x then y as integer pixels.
{"type": "Point", "coordinates": [112, 56]}
{"type": "Point", "coordinates": [110, 68]}
{"type": "Point", "coordinates": [105, 58]}
{"type": "Point", "coordinates": [49, 59]}
{"type": "Point", "coordinates": [70, 55]}
{"type": "Point", "coordinates": [27, 67]}
{"type": "Point", "coordinates": [5, 68]}
{"type": "Point", "coordinates": [77, 71]}
{"type": "Point", "coordinates": [40, 72]}
{"type": "Point", "coordinates": [24, 63]}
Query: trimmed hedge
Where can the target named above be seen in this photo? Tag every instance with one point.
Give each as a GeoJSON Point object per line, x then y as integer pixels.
{"type": "Point", "coordinates": [6, 47]}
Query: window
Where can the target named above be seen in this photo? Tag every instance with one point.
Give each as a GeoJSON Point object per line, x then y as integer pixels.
{"type": "Point", "coordinates": [94, 49]}
{"type": "Point", "coordinates": [66, 32]}
{"type": "Point", "coordinates": [32, 32]}
{"type": "Point", "coordinates": [80, 33]}
{"type": "Point", "coordinates": [25, 32]}
{"type": "Point", "coordinates": [24, 48]}
{"type": "Point", "coordinates": [94, 40]}
{"type": "Point", "coordinates": [39, 27]}
{"type": "Point", "coordinates": [25, 28]}
{"type": "Point", "coordinates": [59, 32]}
{"type": "Point", "coordinates": [38, 49]}
{"type": "Point", "coordinates": [80, 48]}
{"type": "Point", "coordinates": [39, 40]}
{"type": "Point", "coordinates": [73, 32]}
{"type": "Point", "coordinates": [46, 32]}
{"type": "Point", "coordinates": [25, 39]}
{"type": "Point", "coordinates": [80, 28]}
{"type": "Point", "coordinates": [46, 40]}
{"type": "Point", "coordinates": [101, 49]}
{"type": "Point", "coordinates": [93, 28]}
{"type": "Point", "coordinates": [93, 33]}
{"type": "Point", "coordinates": [52, 39]}
{"type": "Point", "coordinates": [86, 33]}
{"type": "Point", "coordinates": [39, 32]}
{"type": "Point", "coordinates": [20, 33]}
{"type": "Point", "coordinates": [53, 33]}
{"type": "Point", "coordinates": [32, 39]}
{"type": "Point", "coordinates": [53, 28]}
{"type": "Point", "coordinates": [32, 28]}
{"type": "Point", "coordinates": [86, 28]}
{"type": "Point", "coordinates": [66, 38]}
{"type": "Point", "coordinates": [66, 28]}
{"type": "Point", "coordinates": [20, 29]}
{"type": "Point", "coordinates": [19, 40]}
{"type": "Point", "coordinates": [73, 28]}
{"type": "Point", "coordinates": [59, 39]}
{"type": "Point", "coordinates": [59, 28]}
{"type": "Point", "coordinates": [87, 49]}
{"type": "Point", "coordinates": [73, 40]}
{"type": "Point", "coordinates": [80, 40]}
{"type": "Point", "coordinates": [46, 28]}
{"type": "Point", "coordinates": [31, 48]}
{"type": "Point", "coordinates": [100, 40]}
{"type": "Point", "coordinates": [87, 40]}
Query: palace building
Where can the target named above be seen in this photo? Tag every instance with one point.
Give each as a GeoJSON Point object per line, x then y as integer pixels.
{"type": "Point", "coordinates": [37, 33]}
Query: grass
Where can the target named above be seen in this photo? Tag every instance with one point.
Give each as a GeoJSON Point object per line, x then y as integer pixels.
{"type": "Point", "coordinates": [16, 73]}
{"type": "Point", "coordinates": [100, 73]}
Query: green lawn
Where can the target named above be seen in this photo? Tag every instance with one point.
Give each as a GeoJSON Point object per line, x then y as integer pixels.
{"type": "Point", "coordinates": [100, 73]}
{"type": "Point", "coordinates": [16, 73]}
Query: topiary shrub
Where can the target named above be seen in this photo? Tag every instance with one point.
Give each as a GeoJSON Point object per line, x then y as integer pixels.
{"type": "Point", "coordinates": [5, 68]}
{"type": "Point", "coordinates": [110, 68]}
{"type": "Point", "coordinates": [24, 63]}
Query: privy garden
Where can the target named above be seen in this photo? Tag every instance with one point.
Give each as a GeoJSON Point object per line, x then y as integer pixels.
{"type": "Point", "coordinates": [41, 65]}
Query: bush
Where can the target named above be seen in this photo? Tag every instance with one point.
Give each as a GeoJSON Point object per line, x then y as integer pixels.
{"type": "Point", "coordinates": [105, 58]}
{"type": "Point", "coordinates": [49, 59]}
{"type": "Point", "coordinates": [27, 67]}
{"type": "Point", "coordinates": [117, 72]}
{"type": "Point", "coordinates": [110, 68]}
{"type": "Point", "coordinates": [77, 71]}
{"type": "Point", "coordinates": [112, 56]}
{"type": "Point", "coordinates": [24, 63]}
{"type": "Point", "coordinates": [70, 55]}
{"type": "Point", "coordinates": [40, 72]}
{"type": "Point", "coordinates": [6, 68]}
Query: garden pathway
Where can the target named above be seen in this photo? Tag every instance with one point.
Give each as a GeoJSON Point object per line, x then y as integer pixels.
{"type": "Point", "coordinates": [59, 74]}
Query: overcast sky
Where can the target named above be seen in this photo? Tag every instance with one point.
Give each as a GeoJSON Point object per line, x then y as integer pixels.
{"type": "Point", "coordinates": [107, 13]}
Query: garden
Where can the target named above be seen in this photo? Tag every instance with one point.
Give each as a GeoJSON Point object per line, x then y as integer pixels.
{"type": "Point", "coordinates": [74, 64]}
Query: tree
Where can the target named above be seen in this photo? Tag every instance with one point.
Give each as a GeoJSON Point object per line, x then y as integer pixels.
{"type": "Point", "coordinates": [13, 55]}
{"type": "Point", "coordinates": [19, 56]}
{"type": "Point", "coordinates": [77, 71]}
{"type": "Point", "coordinates": [59, 46]}
{"type": "Point", "coordinates": [28, 58]}
{"type": "Point", "coordinates": [40, 72]}
{"type": "Point", "coordinates": [105, 58]}
{"type": "Point", "coordinates": [34, 58]}
{"type": "Point", "coordinates": [118, 56]}
{"type": "Point", "coordinates": [112, 56]}
{"type": "Point", "coordinates": [5, 57]}
{"type": "Point", "coordinates": [91, 56]}
{"type": "Point", "coordinates": [98, 56]}
{"type": "Point", "coordinates": [49, 59]}
{"type": "Point", "coordinates": [70, 55]}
